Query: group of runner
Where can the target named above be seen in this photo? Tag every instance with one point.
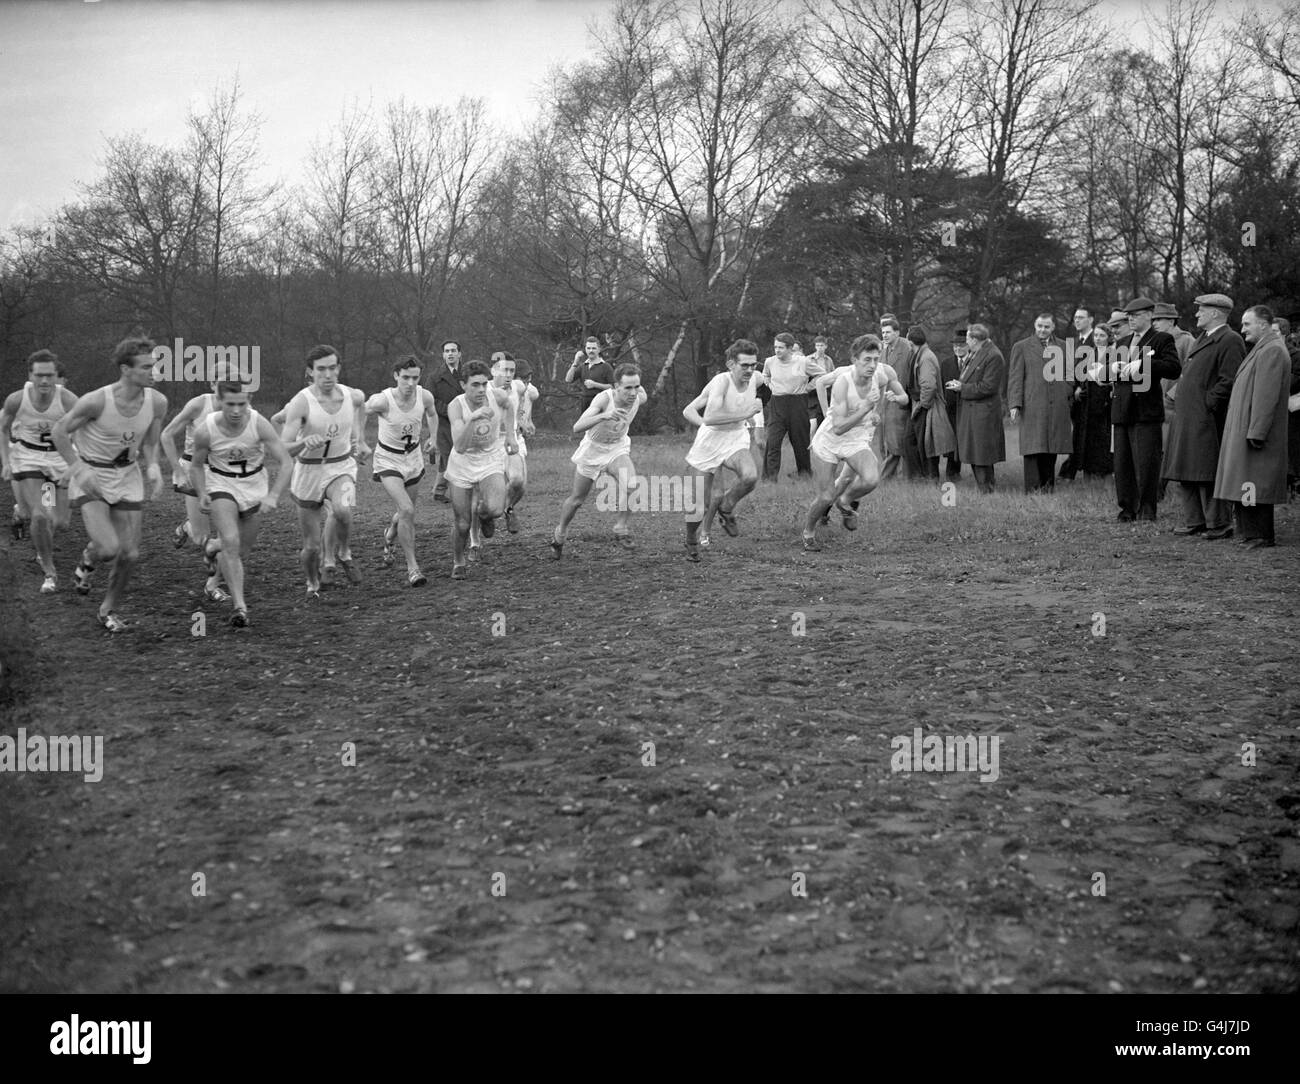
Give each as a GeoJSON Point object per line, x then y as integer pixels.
{"type": "Point", "coordinates": [87, 453]}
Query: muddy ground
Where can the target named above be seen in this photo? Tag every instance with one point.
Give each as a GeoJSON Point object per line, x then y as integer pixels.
{"type": "Point", "coordinates": [519, 761]}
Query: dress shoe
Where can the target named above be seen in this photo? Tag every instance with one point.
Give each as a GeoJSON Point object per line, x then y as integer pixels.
{"type": "Point", "coordinates": [1126, 517]}
{"type": "Point", "coordinates": [1215, 533]}
{"type": "Point", "coordinates": [1199, 529]}
{"type": "Point", "coordinates": [1260, 544]}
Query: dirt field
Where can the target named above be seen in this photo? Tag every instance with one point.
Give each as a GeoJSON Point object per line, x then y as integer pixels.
{"type": "Point", "coordinates": [524, 755]}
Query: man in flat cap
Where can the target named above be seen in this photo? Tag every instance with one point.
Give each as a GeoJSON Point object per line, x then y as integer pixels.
{"type": "Point", "coordinates": [1137, 411]}
{"type": "Point", "coordinates": [1192, 456]}
{"type": "Point", "coordinates": [1252, 457]}
{"type": "Point", "coordinates": [1165, 318]}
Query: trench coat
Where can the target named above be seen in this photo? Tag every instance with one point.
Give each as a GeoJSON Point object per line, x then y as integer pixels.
{"type": "Point", "coordinates": [1257, 411]}
{"type": "Point", "coordinates": [1044, 404]}
{"type": "Point", "coordinates": [1204, 389]}
{"type": "Point", "coordinates": [981, 441]}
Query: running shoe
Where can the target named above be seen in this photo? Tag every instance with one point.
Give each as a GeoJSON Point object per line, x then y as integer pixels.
{"type": "Point", "coordinates": [847, 516]}
{"type": "Point", "coordinates": [49, 586]}
{"type": "Point", "coordinates": [181, 535]}
{"type": "Point", "coordinates": [811, 545]}
{"type": "Point", "coordinates": [81, 577]}
{"type": "Point", "coordinates": [473, 553]}
{"type": "Point", "coordinates": [213, 593]}
{"type": "Point", "coordinates": [350, 570]}
{"type": "Point", "coordinates": [693, 552]}
{"type": "Point", "coordinates": [512, 521]}
{"type": "Point", "coordinates": [557, 550]}
{"type": "Point", "coordinates": [239, 619]}
{"type": "Point", "coordinates": [704, 540]}
{"type": "Point", "coordinates": [327, 576]}
{"type": "Point", "coordinates": [112, 622]}
{"type": "Point", "coordinates": [417, 578]}
{"type": "Point", "coordinates": [625, 541]}
{"type": "Point", "coordinates": [313, 591]}
{"type": "Point", "coordinates": [729, 523]}
{"type": "Point", "coordinates": [457, 572]}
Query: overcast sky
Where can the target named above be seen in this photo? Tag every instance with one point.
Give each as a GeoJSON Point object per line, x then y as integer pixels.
{"type": "Point", "coordinates": [72, 73]}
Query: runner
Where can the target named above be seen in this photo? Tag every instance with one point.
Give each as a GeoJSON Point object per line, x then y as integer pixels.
{"type": "Point", "coordinates": [325, 421]}
{"type": "Point", "coordinates": [228, 473]}
{"type": "Point", "coordinates": [728, 402]}
{"type": "Point", "coordinates": [194, 528]}
{"type": "Point", "coordinates": [32, 463]}
{"type": "Point", "coordinates": [503, 376]}
{"type": "Point", "coordinates": [117, 426]}
{"type": "Point", "coordinates": [528, 395]}
{"type": "Point", "coordinates": [845, 436]}
{"type": "Point", "coordinates": [606, 447]}
{"type": "Point", "coordinates": [398, 464]}
{"type": "Point", "coordinates": [476, 465]}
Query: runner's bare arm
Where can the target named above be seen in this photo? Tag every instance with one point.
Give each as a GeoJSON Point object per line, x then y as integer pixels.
{"type": "Point", "coordinates": [360, 449]}
{"type": "Point", "coordinates": [199, 457]}
{"type": "Point", "coordinates": [512, 420]}
{"type": "Point", "coordinates": [844, 420]}
{"type": "Point", "coordinates": [601, 409]}
{"type": "Point", "coordinates": [86, 409]}
{"type": "Point", "coordinates": [149, 453]}
{"type": "Point", "coordinates": [822, 386]}
{"type": "Point", "coordinates": [691, 412]}
{"type": "Point", "coordinates": [284, 462]}
{"type": "Point", "coordinates": [295, 417]}
{"type": "Point", "coordinates": [431, 418]}
{"type": "Point", "coordinates": [7, 415]}
{"type": "Point", "coordinates": [174, 432]}
{"type": "Point", "coordinates": [461, 431]}
{"type": "Point", "coordinates": [377, 404]}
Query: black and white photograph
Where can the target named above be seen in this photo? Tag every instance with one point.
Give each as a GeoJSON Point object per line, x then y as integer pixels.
{"type": "Point", "coordinates": [651, 497]}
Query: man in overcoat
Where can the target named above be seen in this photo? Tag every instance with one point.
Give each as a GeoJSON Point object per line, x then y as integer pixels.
{"type": "Point", "coordinates": [1252, 456]}
{"type": "Point", "coordinates": [1137, 410]}
{"type": "Point", "coordinates": [981, 441]}
{"type": "Point", "coordinates": [1040, 386]}
{"type": "Point", "coordinates": [1192, 457]}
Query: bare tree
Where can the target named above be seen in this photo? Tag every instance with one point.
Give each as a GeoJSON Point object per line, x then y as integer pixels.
{"type": "Point", "coordinates": [224, 150]}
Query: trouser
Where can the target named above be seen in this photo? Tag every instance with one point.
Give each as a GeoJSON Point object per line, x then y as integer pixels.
{"type": "Point", "coordinates": [789, 418]}
{"type": "Point", "coordinates": [1137, 468]}
{"type": "Point", "coordinates": [1040, 472]}
{"type": "Point", "coordinates": [983, 478]}
{"type": "Point", "coordinates": [1254, 520]}
{"type": "Point", "coordinates": [1200, 509]}
{"type": "Point", "coordinates": [914, 457]}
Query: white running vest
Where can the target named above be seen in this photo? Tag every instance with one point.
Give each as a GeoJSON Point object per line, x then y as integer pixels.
{"type": "Point", "coordinates": [240, 455]}
{"type": "Point", "coordinates": [112, 437]}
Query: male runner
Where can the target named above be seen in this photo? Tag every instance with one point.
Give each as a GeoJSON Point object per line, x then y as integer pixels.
{"type": "Point", "coordinates": [845, 437]}
{"type": "Point", "coordinates": [528, 395]}
{"type": "Point", "coordinates": [228, 474]}
{"type": "Point", "coordinates": [503, 376]}
{"type": "Point", "coordinates": [606, 447]}
{"type": "Point", "coordinates": [325, 421]}
{"type": "Point", "coordinates": [32, 463]}
{"type": "Point", "coordinates": [398, 463]}
{"type": "Point", "coordinates": [195, 527]}
{"type": "Point", "coordinates": [117, 426]}
{"type": "Point", "coordinates": [730, 399]}
{"type": "Point", "coordinates": [476, 466]}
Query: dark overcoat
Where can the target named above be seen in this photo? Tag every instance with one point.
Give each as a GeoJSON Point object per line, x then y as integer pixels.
{"type": "Point", "coordinates": [981, 441]}
{"type": "Point", "coordinates": [1203, 393]}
